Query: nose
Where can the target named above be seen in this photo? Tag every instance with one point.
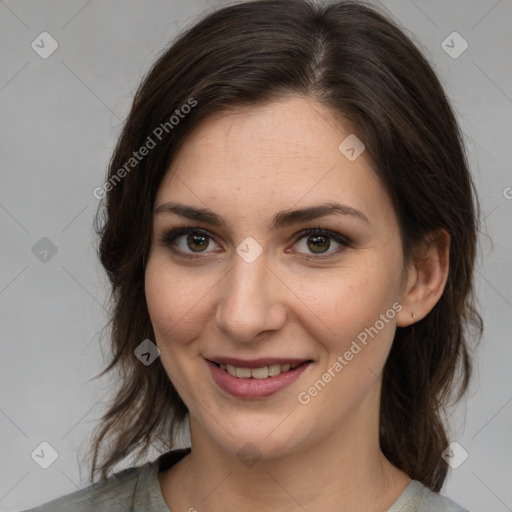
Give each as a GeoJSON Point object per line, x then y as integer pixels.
{"type": "Point", "coordinates": [250, 300]}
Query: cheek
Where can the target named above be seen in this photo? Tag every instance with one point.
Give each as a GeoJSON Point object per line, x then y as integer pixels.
{"type": "Point", "coordinates": [360, 314]}
{"type": "Point", "coordinates": [352, 316]}
{"type": "Point", "coordinates": [177, 301]}
{"type": "Point", "coordinates": [341, 305]}
{"type": "Point", "coordinates": [173, 300]}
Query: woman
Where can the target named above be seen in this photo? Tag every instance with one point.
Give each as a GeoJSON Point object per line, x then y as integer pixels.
{"type": "Point", "coordinates": [289, 228]}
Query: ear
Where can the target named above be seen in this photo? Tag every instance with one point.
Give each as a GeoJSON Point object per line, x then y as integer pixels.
{"type": "Point", "coordinates": [426, 277]}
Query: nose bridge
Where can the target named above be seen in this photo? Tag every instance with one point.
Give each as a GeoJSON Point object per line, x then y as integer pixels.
{"type": "Point", "coordinates": [249, 302]}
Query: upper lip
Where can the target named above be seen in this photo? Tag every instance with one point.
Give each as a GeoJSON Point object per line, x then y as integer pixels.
{"type": "Point", "coordinates": [256, 363]}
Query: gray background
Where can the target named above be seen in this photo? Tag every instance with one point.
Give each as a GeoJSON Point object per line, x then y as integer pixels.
{"type": "Point", "coordinates": [60, 118]}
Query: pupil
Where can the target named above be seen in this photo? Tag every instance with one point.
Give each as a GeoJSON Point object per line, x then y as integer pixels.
{"type": "Point", "coordinates": [200, 241]}
{"type": "Point", "coordinates": [319, 242]}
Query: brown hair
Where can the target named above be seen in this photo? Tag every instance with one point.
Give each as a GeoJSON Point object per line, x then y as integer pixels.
{"type": "Point", "coordinates": [354, 60]}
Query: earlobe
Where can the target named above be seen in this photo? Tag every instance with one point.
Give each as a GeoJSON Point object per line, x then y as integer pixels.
{"type": "Point", "coordinates": [426, 279]}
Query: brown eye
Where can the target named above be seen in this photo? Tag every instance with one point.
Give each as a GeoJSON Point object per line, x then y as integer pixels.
{"type": "Point", "coordinates": [186, 241]}
{"type": "Point", "coordinates": [197, 242]}
{"type": "Point", "coordinates": [318, 243]}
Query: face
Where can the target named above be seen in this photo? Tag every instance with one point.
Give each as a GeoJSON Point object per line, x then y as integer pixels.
{"type": "Point", "coordinates": [245, 269]}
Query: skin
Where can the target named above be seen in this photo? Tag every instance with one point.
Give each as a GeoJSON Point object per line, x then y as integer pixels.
{"type": "Point", "coordinates": [246, 165]}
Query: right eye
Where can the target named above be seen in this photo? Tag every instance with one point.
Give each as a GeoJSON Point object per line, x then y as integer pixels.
{"type": "Point", "coordinates": [187, 241]}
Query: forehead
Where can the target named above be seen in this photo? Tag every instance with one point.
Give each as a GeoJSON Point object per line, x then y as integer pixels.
{"type": "Point", "coordinates": [284, 153]}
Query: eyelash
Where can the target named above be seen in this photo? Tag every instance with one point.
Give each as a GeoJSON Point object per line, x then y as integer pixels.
{"type": "Point", "coordinates": [168, 237]}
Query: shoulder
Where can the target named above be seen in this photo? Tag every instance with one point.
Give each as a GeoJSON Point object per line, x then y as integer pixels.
{"type": "Point", "coordinates": [419, 498]}
{"type": "Point", "coordinates": [135, 488]}
{"type": "Point", "coordinates": [114, 493]}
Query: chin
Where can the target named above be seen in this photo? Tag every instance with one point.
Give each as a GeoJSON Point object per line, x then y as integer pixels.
{"type": "Point", "coordinates": [270, 437]}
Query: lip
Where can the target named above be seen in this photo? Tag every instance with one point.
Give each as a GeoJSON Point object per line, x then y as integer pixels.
{"type": "Point", "coordinates": [251, 387]}
{"type": "Point", "coordinates": [255, 363]}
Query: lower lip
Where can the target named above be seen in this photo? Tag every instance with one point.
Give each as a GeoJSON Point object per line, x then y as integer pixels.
{"type": "Point", "coordinates": [251, 387]}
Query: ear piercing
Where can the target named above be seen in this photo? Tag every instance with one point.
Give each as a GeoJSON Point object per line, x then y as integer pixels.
{"type": "Point", "coordinates": [413, 315]}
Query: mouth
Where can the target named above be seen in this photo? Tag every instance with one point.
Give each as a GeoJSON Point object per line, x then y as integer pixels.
{"type": "Point", "coordinates": [248, 371]}
{"type": "Point", "coordinates": [256, 379]}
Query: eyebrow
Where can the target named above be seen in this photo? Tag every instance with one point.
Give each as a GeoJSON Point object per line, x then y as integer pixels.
{"type": "Point", "coordinates": [280, 220]}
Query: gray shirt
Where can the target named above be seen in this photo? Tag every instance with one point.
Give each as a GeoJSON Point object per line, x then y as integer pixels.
{"type": "Point", "coordinates": [138, 490]}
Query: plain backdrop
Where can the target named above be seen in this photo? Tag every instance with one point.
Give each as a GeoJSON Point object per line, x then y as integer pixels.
{"type": "Point", "coordinates": [60, 117]}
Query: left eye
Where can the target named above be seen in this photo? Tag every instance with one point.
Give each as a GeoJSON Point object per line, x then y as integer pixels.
{"type": "Point", "coordinates": [318, 241]}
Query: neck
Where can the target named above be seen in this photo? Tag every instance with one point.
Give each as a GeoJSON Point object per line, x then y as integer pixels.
{"type": "Point", "coordinates": [343, 471]}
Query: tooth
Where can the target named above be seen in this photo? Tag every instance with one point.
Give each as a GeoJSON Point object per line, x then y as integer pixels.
{"type": "Point", "coordinates": [243, 373]}
{"type": "Point", "coordinates": [274, 369]}
{"type": "Point", "coordinates": [260, 373]}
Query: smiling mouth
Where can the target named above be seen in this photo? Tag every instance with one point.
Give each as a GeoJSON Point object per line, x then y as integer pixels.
{"type": "Point", "coordinates": [261, 373]}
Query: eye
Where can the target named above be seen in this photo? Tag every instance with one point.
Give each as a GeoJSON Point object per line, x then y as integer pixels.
{"type": "Point", "coordinates": [319, 241]}
{"type": "Point", "coordinates": [186, 241]}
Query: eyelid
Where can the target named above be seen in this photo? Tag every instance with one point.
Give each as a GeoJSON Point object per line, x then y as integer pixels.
{"type": "Point", "coordinates": [338, 237]}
